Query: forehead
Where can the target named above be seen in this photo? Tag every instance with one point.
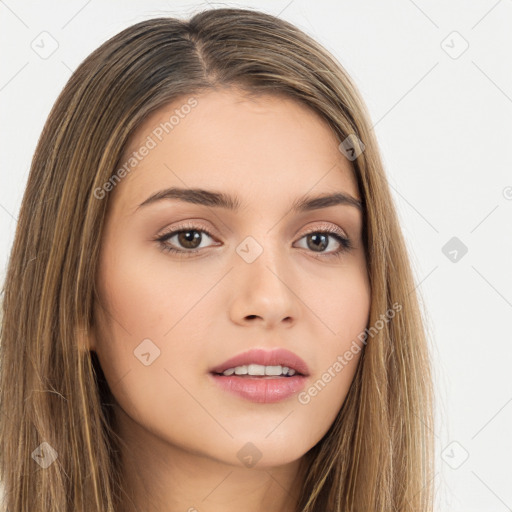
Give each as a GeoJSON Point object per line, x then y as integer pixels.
{"type": "Point", "coordinates": [262, 145]}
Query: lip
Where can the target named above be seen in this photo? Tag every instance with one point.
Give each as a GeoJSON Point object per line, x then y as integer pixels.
{"type": "Point", "coordinates": [279, 356]}
{"type": "Point", "coordinates": [262, 389]}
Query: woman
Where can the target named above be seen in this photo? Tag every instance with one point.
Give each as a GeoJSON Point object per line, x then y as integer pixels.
{"type": "Point", "coordinates": [209, 303]}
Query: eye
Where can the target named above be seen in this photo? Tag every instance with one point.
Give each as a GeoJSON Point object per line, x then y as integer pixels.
{"type": "Point", "coordinates": [319, 239]}
{"type": "Point", "coordinates": [189, 237]}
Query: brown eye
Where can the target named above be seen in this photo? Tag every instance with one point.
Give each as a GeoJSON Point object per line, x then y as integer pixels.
{"type": "Point", "coordinates": [318, 241]}
{"type": "Point", "coordinates": [184, 240]}
{"type": "Point", "coordinates": [190, 239]}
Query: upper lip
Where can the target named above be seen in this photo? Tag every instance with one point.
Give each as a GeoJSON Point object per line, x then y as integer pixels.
{"type": "Point", "coordinates": [276, 357]}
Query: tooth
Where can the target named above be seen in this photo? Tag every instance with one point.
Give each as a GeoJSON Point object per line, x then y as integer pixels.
{"type": "Point", "coordinates": [256, 369]}
{"type": "Point", "coordinates": [273, 370]}
{"type": "Point", "coordinates": [260, 370]}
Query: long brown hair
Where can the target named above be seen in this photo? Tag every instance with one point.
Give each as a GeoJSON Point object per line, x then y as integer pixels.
{"type": "Point", "coordinates": [55, 402]}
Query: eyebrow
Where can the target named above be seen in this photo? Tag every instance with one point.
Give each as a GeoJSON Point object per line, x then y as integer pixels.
{"type": "Point", "coordinates": [232, 203]}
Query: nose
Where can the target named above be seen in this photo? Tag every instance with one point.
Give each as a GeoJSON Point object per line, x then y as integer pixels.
{"type": "Point", "coordinates": [263, 292]}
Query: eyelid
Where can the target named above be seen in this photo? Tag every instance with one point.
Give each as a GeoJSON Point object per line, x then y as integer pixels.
{"type": "Point", "coordinates": [327, 227]}
{"type": "Point", "coordinates": [187, 224]}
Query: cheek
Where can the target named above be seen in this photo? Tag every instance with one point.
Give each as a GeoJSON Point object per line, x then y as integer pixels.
{"type": "Point", "coordinates": [341, 304]}
{"type": "Point", "coordinates": [343, 307]}
{"type": "Point", "coordinates": [143, 295]}
{"type": "Point", "coordinates": [144, 368]}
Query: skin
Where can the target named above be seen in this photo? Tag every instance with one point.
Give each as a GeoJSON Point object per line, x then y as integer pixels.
{"type": "Point", "coordinates": [182, 432]}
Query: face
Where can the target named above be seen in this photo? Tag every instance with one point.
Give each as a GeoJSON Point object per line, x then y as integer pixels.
{"type": "Point", "coordinates": [188, 282]}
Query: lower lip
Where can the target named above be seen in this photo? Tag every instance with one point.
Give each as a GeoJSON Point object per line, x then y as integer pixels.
{"type": "Point", "coordinates": [261, 390]}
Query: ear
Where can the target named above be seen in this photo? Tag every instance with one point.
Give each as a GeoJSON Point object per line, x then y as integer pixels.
{"type": "Point", "coordinates": [86, 339]}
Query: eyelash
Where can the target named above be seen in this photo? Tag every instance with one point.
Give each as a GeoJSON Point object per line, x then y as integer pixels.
{"type": "Point", "coordinates": [345, 243]}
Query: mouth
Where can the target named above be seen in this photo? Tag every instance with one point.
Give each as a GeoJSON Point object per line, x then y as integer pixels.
{"type": "Point", "coordinates": [262, 376]}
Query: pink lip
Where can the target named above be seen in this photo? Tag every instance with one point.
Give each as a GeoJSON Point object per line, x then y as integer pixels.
{"type": "Point", "coordinates": [279, 356]}
{"type": "Point", "coordinates": [262, 389]}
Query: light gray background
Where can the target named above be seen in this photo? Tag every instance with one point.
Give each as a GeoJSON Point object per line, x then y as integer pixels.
{"type": "Point", "coordinates": [442, 116]}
